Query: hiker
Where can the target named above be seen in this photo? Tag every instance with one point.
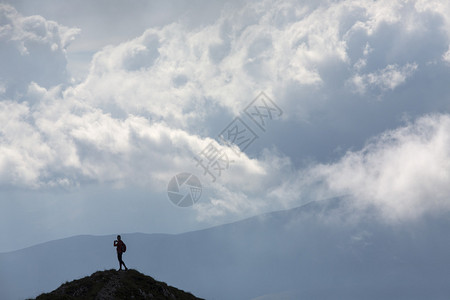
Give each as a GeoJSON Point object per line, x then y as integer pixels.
{"type": "Point", "coordinates": [121, 248]}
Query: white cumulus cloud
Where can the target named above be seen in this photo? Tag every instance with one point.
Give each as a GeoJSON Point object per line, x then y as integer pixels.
{"type": "Point", "coordinates": [33, 49]}
{"type": "Point", "coordinates": [404, 172]}
{"type": "Point", "coordinates": [387, 78]}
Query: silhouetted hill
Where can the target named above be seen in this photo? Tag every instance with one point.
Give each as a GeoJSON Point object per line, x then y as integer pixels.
{"type": "Point", "coordinates": [114, 284]}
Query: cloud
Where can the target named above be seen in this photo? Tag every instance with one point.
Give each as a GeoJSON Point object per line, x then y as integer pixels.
{"type": "Point", "coordinates": [67, 143]}
{"type": "Point", "coordinates": [184, 75]}
{"type": "Point", "coordinates": [386, 79]}
{"type": "Point", "coordinates": [404, 172]}
{"type": "Point", "coordinates": [33, 49]}
{"type": "Point", "coordinates": [17, 166]}
{"type": "Point", "coordinates": [446, 56]}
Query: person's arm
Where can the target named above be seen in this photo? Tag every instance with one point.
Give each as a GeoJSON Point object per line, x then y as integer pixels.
{"type": "Point", "coordinates": [115, 243]}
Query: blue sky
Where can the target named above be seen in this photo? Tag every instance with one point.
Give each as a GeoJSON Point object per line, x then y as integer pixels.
{"type": "Point", "coordinates": [101, 104]}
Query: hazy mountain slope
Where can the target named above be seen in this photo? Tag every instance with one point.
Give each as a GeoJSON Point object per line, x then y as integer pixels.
{"type": "Point", "coordinates": [323, 250]}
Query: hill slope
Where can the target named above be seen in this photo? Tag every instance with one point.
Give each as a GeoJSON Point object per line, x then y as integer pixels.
{"type": "Point", "coordinates": [114, 284]}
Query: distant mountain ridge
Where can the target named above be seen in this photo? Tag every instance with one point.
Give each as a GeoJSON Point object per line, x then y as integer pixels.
{"type": "Point", "coordinates": [322, 250]}
{"type": "Point", "coordinates": [112, 284]}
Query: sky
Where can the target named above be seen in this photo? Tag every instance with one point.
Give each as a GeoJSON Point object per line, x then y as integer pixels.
{"type": "Point", "coordinates": [103, 103]}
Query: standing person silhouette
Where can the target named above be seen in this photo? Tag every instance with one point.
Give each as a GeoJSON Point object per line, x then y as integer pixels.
{"type": "Point", "coordinates": [121, 248]}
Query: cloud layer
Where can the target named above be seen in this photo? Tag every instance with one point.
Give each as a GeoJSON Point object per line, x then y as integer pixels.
{"type": "Point", "coordinates": [149, 104]}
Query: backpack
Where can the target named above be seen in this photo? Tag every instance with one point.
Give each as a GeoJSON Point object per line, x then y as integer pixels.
{"type": "Point", "coordinates": [124, 247]}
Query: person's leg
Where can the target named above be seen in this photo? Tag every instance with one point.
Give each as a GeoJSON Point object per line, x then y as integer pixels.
{"type": "Point", "coordinates": [119, 257]}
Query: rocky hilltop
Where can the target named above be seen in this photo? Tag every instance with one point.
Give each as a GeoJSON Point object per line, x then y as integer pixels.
{"type": "Point", "coordinates": [112, 284]}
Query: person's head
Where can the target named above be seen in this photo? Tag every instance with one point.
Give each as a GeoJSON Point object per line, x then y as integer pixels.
{"type": "Point", "coordinates": [118, 237]}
